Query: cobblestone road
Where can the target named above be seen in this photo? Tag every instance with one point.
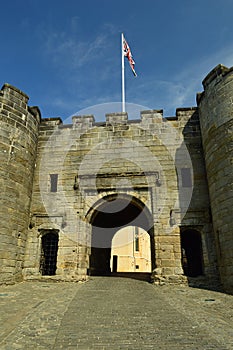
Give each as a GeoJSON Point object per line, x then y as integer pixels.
{"type": "Point", "coordinates": [114, 313]}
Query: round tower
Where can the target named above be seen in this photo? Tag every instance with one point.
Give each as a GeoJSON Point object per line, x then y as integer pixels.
{"type": "Point", "coordinates": [216, 120]}
{"type": "Point", "coordinates": [19, 125]}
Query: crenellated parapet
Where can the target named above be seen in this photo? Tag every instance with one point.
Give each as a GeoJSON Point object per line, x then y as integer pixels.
{"type": "Point", "coordinates": [83, 122]}
{"type": "Point", "coordinates": [14, 105]}
{"type": "Point", "coordinates": [118, 118]}
{"type": "Point", "coordinates": [217, 98]}
{"type": "Point", "coordinates": [216, 75]}
{"type": "Point", "coordinates": [146, 117]}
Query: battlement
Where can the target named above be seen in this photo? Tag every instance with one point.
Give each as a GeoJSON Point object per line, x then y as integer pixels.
{"type": "Point", "coordinates": [9, 91]}
{"type": "Point", "coordinates": [121, 118]}
{"type": "Point", "coordinates": [51, 121]}
{"type": "Point", "coordinates": [216, 74]}
{"type": "Point", "coordinates": [83, 121]}
{"type": "Point", "coordinates": [116, 118]}
{"type": "Point", "coordinates": [14, 105]}
{"type": "Point", "coordinates": [147, 117]}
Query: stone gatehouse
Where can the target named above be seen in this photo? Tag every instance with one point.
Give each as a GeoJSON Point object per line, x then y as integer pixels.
{"type": "Point", "coordinates": [68, 190]}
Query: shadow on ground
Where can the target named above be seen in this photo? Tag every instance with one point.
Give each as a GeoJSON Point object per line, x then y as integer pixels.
{"type": "Point", "coordinates": [142, 276]}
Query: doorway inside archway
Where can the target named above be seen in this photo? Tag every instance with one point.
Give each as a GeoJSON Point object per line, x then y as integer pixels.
{"type": "Point", "coordinates": [112, 215]}
{"type": "Point", "coordinates": [131, 251]}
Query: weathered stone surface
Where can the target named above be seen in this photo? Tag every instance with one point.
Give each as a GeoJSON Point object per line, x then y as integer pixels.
{"type": "Point", "coordinates": [18, 143]}
{"type": "Point", "coordinates": [216, 120]}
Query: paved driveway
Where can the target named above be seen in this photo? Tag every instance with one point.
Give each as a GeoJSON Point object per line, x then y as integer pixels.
{"type": "Point", "coordinates": [113, 313]}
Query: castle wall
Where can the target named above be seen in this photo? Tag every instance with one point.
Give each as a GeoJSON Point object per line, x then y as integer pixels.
{"type": "Point", "coordinates": [57, 178]}
{"type": "Point", "coordinates": [144, 159]}
{"type": "Point", "coordinates": [216, 118]}
{"type": "Point", "coordinates": [18, 141]}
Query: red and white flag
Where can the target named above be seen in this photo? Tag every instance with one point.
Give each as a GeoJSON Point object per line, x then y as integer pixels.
{"type": "Point", "coordinates": [127, 53]}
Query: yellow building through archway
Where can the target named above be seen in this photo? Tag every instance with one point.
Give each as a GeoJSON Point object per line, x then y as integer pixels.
{"type": "Point", "coordinates": [131, 251]}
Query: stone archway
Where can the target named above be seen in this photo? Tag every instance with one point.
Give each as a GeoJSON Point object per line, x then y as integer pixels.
{"type": "Point", "coordinates": [111, 214]}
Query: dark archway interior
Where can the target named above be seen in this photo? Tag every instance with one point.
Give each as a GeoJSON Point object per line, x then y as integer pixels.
{"type": "Point", "coordinates": [119, 213]}
{"type": "Point", "coordinates": [192, 256]}
{"type": "Point", "coordinates": [49, 247]}
{"type": "Point", "coordinates": [111, 216]}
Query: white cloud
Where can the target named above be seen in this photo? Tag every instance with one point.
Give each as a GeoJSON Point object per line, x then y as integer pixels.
{"type": "Point", "coordinates": [69, 49]}
{"type": "Point", "coordinates": [64, 50]}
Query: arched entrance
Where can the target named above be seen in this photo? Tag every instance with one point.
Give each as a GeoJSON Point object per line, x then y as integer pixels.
{"type": "Point", "coordinates": [110, 215]}
{"type": "Point", "coordinates": [49, 248]}
{"type": "Point", "coordinates": [192, 256]}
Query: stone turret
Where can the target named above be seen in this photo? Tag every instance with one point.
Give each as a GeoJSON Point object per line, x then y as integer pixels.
{"type": "Point", "coordinates": [216, 120]}
{"type": "Point", "coordinates": [18, 142]}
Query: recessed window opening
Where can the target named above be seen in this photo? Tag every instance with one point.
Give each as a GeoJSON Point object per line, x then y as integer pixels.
{"type": "Point", "coordinates": [186, 177]}
{"type": "Point", "coordinates": [53, 182]}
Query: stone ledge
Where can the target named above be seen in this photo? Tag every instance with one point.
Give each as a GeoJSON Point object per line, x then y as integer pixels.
{"type": "Point", "coordinates": [56, 278]}
{"type": "Point", "coordinates": [170, 279]}
{"type": "Point", "coordinates": [219, 71]}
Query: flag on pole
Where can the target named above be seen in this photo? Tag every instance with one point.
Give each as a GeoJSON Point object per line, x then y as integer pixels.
{"type": "Point", "coordinates": [127, 53]}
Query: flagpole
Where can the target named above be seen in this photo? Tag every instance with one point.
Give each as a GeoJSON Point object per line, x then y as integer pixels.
{"type": "Point", "coordinates": [123, 72]}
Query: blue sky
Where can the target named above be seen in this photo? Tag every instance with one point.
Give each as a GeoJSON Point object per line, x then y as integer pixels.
{"type": "Point", "coordinates": [66, 54]}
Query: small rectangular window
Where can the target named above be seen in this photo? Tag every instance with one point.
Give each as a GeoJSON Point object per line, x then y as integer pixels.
{"type": "Point", "coordinates": [53, 182]}
{"type": "Point", "coordinates": [186, 177]}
